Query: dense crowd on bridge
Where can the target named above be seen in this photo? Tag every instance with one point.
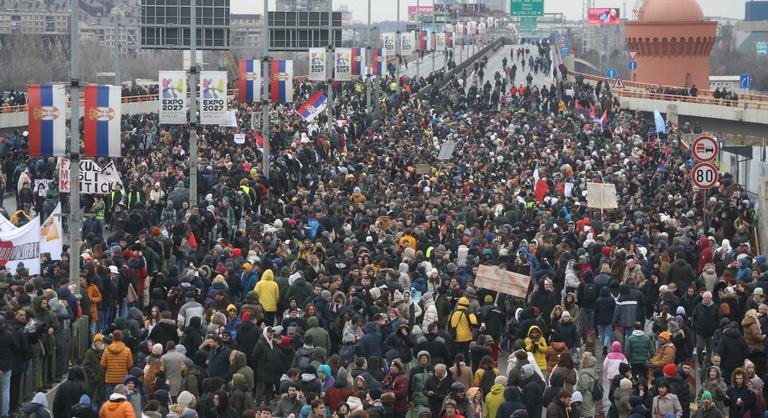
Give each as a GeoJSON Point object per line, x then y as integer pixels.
{"type": "Point", "coordinates": [343, 283]}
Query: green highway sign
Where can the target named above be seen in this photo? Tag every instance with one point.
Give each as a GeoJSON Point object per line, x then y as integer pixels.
{"type": "Point", "coordinates": [527, 8]}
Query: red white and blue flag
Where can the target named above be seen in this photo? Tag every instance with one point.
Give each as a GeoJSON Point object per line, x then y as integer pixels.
{"type": "Point", "coordinates": [47, 120]}
{"type": "Point", "coordinates": [313, 107]}
{"type": "Point", "coordinates": [358, 61]}
{"type": "Point", "coordinates": [250, 81]}
{"type": "Point", "coordinates": [101, 121]}
{"type": "Point", "coordinates": [377, 61]}
{"type": "Point", "coordinates": [604, 120]}
{"type": "Point", "coordinates": [423, 40]}
{"type": "Point", "coordinates": [449, 41]}
{"type": "Point", "coordinates": [281, 85]}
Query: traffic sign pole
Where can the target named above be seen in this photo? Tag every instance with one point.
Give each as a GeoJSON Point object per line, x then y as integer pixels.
{"type": "Point", "coordinates": [704, 175]}
{"type": "Point", "coordinates": [705, 149]}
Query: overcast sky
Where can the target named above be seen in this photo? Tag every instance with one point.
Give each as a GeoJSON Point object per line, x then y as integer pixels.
{"type": "Point", "coordinates": [387, 9]}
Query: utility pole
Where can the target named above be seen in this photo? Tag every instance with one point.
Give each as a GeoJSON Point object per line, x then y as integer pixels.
{"type": "Point", "coordinates": [193, 118]}
{"type": "Point", "coordinates": [266, 104]}
{"type": "Point", "coordinates": [434, 31]}
{"type": "Point", "coordinates": [332, 65]}
{"type": "Point", "coordinates": [74, 146]}
{"type": "Point", "coordinates": [368, 62]}
{"type": "Point", "coordinates": [398, 45]}
{"type": "Point", "coordinates": [418, 39]}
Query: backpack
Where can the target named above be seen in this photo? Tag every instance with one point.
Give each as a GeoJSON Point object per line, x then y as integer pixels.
{"type": "Point", "coordinates": [304, 363]}
{"type": "Point", "coordinates": [590, 293]}
{"type": "Point", "coordinates": [488, 380]}
{"type": "Point", "coordinates": [597, 390]}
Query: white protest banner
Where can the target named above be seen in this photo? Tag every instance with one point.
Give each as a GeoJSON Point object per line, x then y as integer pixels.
{"type": "Point", "coordinates": [51, 235]}
{"type": "Point", "coordinates": [213, 97]}
{"type": "Point", "coordinates": [407, 43]}
{"type": "Point", "coordinates": [239, 138]}
{"type": "Point", "coordinates": [502, 281]}
{"type": "Point", "coordinates": [93, 179]}
{"type": "Point", "coordinates": [21, 245]}
{"type": "Point", "coordinates": [602, 196]}
{"type": "Point", "coordinates": [446, 150]}
{"type": "Point", "coordinates": [231, 120]}
{"type": "Point", "coordinates": [317, 63]}
{"type": "Point", "coordinates": [343, 64]}
{"type": "Point", "coordinates": [389, 40]}
{"type": "Point", "coordinates": [173, 97]}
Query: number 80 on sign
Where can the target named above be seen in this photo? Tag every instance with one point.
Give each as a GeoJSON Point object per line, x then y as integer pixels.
{"type": "Point", "coordinates": [704, 176]}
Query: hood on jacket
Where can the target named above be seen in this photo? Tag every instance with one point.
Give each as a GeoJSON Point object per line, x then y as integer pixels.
{"type": "Point", "coordinates": [512, 394]}
{"type": "Point", "coordinates": [497, 388]}
{"type": "Point", "coordinates": [341, 378]}
{"type": "Point", "coordinates": [117, 347]}
{"type": "Point", "coordinates": [40, 399]}
{"type": "Point", "coordinates": [616, 347]}
{"type": "Point", "coordinates": [196, 322]}
{"type": "Point", "coordinates": [313, 322]}
{"type": "Point", "coordinates": [717, 370]}
{"type": "Point", "coordinates": [744, 262]}
{"type": "Point", "coordinates": [76, 374]}
{"type": "Point", "coordinates": [326, 369]}
{"type": "Point", "coordinates": [424, 353]}
{"type": "Point", "coordinates": [135, 314]}
{"type": "Point", "coordinates": [239, 360]}
{"type": "Point", "coordinates": [211, 384]}
{"type": "Point", "coordinates": [589, 361]}
{"type": "Point", "coordinates": [535, 328]}
{"type": "Point", "coordinates": [704, 242]}
{"type": "Point", "coordinates": [252, 298]}
{"type": "Point", "coordinates": [268, 276]}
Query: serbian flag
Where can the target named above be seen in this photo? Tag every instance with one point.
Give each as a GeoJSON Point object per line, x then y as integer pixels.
{"type": "Point", "coordinates": [281, 85]}
{"type": "Point", "coordinates": [250, 81]}
{"type": "Point", "coordinates": [101, 121]}
{"type": "Point", "coordinates": [47, 120]}
{"type": "Point", "coordinates": [604, 120]}
{"type": "Point", "coordinates": [358, 61]}
{"type": "Point", "coordinates": [423, 40]}
{"type": "Point", "coordinates": [377, 64]}
{"type": "Point", "coordinates": [313, 107]}
{"type": "Point", "coordinates": [449, 40]}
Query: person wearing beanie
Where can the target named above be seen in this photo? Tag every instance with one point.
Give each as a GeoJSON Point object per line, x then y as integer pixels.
{"type": "Point", "coordinates": [665, 354]}
{"type": "Point", "coordinates": [714, 384]}
{"type": "Point", "coordinates": [636, 407]}
{"type": "Point", "coordinates": [83, 409]}
{"type": "Point", "coordinates": [94, 373]}
{"type": "Point", "coordinates": [461, 323]}
{"type": "Point", "coordinates": [669, 370]}
{"type": "Point", "coordinates": [190, 378]}
{"type": "Point", "coordinates": [665, 402]}
{"type": "Point", "coordinates": [116, 361]}
{"type": "Point", "coordinates": [707, 407]}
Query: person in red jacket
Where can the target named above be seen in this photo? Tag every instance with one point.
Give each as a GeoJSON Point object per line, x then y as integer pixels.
{"type": "Point", "coordinates": [705, 254]}
{"type": "Point", "coordinates": [397, 383]}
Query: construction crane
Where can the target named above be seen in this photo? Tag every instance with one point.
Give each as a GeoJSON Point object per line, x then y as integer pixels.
{"type": "Point", "coordinates": [232, 66]}
{"type": "Point", "coordinates": [639, 4]}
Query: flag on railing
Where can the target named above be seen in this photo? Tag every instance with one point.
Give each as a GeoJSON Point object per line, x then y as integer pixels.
{"type": "Point", "coordinates": [101, 120]}
{"type": "Point", "coordinates": [250, 81]}
{"type": "Point", "coordinates": [313, 107]}
{"type": "Point", "coordinates": [47, 120]}
{"type": "Point", "coordinates": [378, 65]}
{"type": "Point", "coordinates": [449, 40]}
{"type": "Point", "coordinates": [423, 40]}
{"type": "Point", "coordinates": [281, 86]}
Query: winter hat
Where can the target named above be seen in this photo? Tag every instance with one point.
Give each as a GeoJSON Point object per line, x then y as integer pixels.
{"type": "Point", "coordinates": [706, 395]}
{"type": "Point", "coordinates": [500, 380]}
{"type": "Point", "coordinates": [181, 349]}
{"type": "Point", "coordinates": [566, 314]}
{"type": "Point", "coordinates": [85, 400]}
{"type": "Point", "coordinates": [187, 399]}
{"type": "Point", "coordinates": [426, 296]}
{"type": "Point", "coordinates": [665, 335]}
{"type": "Point", "coordinates": [635, 400]}
{"type": "Point", "coordinates": [157, 349]}
{"type": "Point", "coordinates": [669, 370]}
{"type": "Point", "coordinates": [576, 397]}
{"type": "Point", "coordinates": [680, 311]}
{"type": "Point", "coordinates": [625, 384]}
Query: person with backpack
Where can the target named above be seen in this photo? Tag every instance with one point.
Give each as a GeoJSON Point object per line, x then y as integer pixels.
{"type": "Point", "coordinates": [586, 296]}
{"type": "Point", "coordinates": [38, 408]}
{"type": "Point", "coordinates": [461, 325]}
{"type": "Point", "coordinates": [486, 374]}
{"type": "Point", "coordinates": [588, 385]}
{"type": "Point", "coordinates": [639, 350]}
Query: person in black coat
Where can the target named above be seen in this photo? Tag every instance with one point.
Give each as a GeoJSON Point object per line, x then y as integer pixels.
{"type": "Point", "coordinates": [83, 409]}
{"type": "Point", "coordinates": [533, 391]}
{"type": "Point", "coordinates": [604, 309]}
{"type": "Point", "coordinates": [167, 330]}
{"type": "Point", "coordinates": [218, 359]}
{"type": "Point", "coordinates": [434, 344]}
{"type": "Point", "coordinates": [267, 372]}
{"type": "Point", "coordinates": [511, 403]}
{"type": "Point", "coordinates": [556, 382]}
{"type": "Point", "coordinates": [372, 342]}
{"type": "Point", "coordinates": [221, 407]}
{"type": "Point", "coordinates": [401, 341]}
{"type": "Point", "coordinates": [732, 348]}
{"type": "Point", "coordinates": [68, 394]}
{"type": "Point", "coordinates": [545, 297]}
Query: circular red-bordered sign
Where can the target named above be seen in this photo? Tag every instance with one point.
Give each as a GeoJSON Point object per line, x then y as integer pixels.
{"type": "Point", "coordinates": [705, 149]}
{"type": "Point", "coordinates": [704, 175]}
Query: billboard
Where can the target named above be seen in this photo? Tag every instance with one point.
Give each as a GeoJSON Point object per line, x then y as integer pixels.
{"type": "Point", "coordinates": [603, 16]}
{"type": "Point", "coordinates": [422, 10]}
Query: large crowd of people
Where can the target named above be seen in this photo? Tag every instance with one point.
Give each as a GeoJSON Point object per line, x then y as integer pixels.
{"type": "Point", "coordinates": [343, 283]}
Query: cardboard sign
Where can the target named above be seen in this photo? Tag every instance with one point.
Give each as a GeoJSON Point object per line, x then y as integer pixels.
{"type": "Point", "coordinates": [421, 169]}
{"type": "Point", "coordinates": [502, 281]}
{"type": "Point", "coordinates": [601, 196]}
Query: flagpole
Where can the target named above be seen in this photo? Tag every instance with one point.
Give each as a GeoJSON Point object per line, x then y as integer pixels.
{"type": "Point", "coordinates": [193, 119]}
{"type": "Point", "coordinates": [331, 59]}
{"type": "Point", "coordinates": [74, 147]}
{"type": "Point", "coordinates": [418, 38]}
{"type": "Point", "coordinates": [368, 60]}
{"type": "Point", "coordinates": [266, 105]}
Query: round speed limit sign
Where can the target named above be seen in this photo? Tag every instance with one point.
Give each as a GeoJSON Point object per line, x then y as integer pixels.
{"type": "Point", "coordinates": [704, 175]}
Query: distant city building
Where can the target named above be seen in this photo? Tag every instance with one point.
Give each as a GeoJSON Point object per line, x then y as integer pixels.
{"type": "Point", "coordinates": [34, 22]}
{"type": "Point", "coordinates": [246, 31]}
{"type": "Point", "coordinates": [755, 11]}
{"type": "Point", "coordinates": [302, 5]}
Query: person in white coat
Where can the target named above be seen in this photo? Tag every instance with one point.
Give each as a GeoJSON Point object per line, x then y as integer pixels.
{"type": "Point", "coordinates": [430, 311]}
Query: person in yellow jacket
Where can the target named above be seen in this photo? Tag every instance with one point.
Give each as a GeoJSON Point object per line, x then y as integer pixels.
{"type": "Point", "coordinates": [461, 322]}
{"type": "Point", "coordinates": [537, 345]}
{"type": "Point", "coordinates": [269, 295]}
